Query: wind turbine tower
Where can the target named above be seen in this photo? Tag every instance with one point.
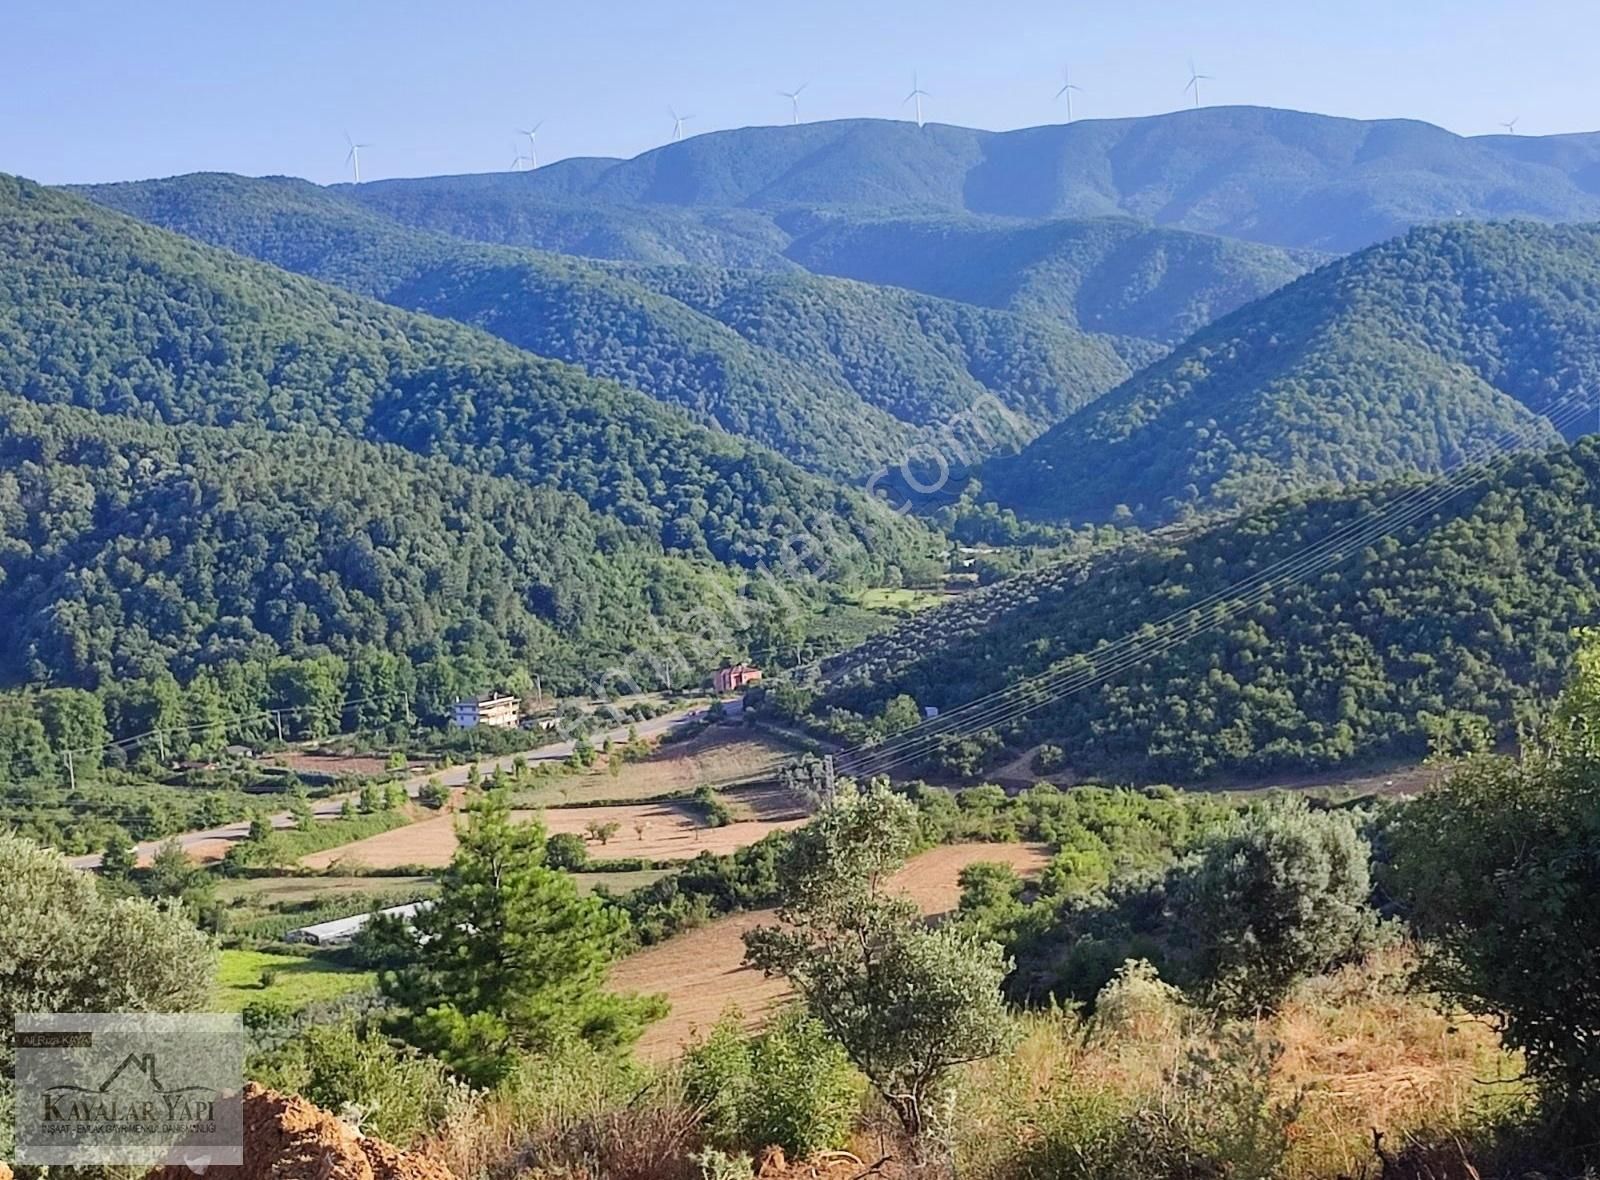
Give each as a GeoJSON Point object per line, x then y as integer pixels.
{"type": "Point", "coordinates": [794, 102]}
{"type": "Point", "coordinates": [533, 145]}
{"type": "Point", "coordinates": [353, 158]}
{"type": "Point", "coordinates": [917, 95]}
{"type": "Point", "coordinates": [1511, 127]}
{"type": "Point", "coordinates": [1195, 78]}
{"type": "Point", "coordinates": [1067, 90]}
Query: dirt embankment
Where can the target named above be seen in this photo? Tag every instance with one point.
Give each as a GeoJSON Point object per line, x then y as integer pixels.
{"type": "Point", "coordinates": [288, 1138]}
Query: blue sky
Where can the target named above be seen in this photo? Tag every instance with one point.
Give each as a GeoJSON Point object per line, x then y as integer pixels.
{"type": "Point", "coordinates": [104, 91]}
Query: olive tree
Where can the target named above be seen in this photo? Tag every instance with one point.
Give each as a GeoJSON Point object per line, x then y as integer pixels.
{"type": "Point", "coordinates": [908, 1002]}
{"type": "Point", "coordinates": [1498, 869]}
{"type": "Point", "coordinates": [1279, 896]}
{"type": "Point", "coordinates": [66, 947]}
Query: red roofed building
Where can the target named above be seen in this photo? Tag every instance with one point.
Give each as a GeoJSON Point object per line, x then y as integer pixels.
{"type": "Point", "coordinates": [734, 678]}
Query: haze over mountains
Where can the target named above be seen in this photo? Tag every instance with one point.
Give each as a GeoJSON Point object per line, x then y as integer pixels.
{"type": "Point", "coordinates": [1286, 178]}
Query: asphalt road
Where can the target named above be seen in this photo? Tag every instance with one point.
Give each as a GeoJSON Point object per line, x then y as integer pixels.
{"type": "Point", "coordinates": [454, 776]}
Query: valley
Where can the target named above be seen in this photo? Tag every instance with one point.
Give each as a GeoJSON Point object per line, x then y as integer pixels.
{"type": "Point", "coordinates": [1062, 651]}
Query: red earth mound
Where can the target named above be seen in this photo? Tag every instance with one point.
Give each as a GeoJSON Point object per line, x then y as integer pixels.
{"type": "Point", "coordinates": [288, 1138]}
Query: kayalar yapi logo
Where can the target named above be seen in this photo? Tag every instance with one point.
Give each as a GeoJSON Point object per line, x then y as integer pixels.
{"type": "Point", "coordinates": [131, 1093]}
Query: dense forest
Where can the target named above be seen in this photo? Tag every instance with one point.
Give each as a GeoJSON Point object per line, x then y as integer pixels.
{"type": "Point", "coordinates": [1287, 178]}
{"type": "Point", "coordinates": [1399, 358]}
{"type": "Point", "coordinates": [103, 312]}
{"type": "Point", "coordinates": [841, 377]}
{"type": "Point", "coordinates": [1145, 285]}
{"type": "Point", "coordinates": [128, 549]}
{"type": "Point", "coordinates": [1448, 630]}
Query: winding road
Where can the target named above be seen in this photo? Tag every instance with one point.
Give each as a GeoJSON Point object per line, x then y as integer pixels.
{"type": "Point", "coordinates": [453, 776]}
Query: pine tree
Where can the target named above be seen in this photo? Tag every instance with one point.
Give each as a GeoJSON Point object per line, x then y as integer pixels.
{"type": "Point", "coordinates": [510, 958]}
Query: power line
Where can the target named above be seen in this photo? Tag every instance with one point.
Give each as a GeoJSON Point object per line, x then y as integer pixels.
{"type": "Point", "coordinates": [1002, 706]}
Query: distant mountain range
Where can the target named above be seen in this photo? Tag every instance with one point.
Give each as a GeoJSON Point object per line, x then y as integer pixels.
{"type": "Point", "coordinates": [1395, 359]}
{"type": "Point", "coordinates": [1285, 178]}
{"type": "Point", "coordinates": [839, 376]}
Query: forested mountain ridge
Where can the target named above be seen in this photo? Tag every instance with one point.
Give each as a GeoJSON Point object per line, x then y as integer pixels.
{"type": "Point", "coordinates": [1452, 627]}
{"type": "Point", "coordinates": [1108, 274]}
{"type": "Point", "coordinates": [879, 372]}
{"type": "Point", "coordinates": [922, 359]}
{"type": "Point", "coordinates": [1288, 178]}
{"type": "Point", "coordinates": [130, 549]}
{"type": "Point", "coordinates": [1397, 358]}
{"type": "Point", "coordinates": [105, 312]}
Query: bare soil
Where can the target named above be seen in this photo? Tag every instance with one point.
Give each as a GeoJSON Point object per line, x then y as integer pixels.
{"type": "Point", "coordinates": [660, 831]}
{"type": "Point", "coordinates": [701, 972]}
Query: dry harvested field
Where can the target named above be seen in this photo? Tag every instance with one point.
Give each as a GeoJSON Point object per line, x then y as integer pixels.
{"type": "Point", "coordinates": [276, 890]}
{"type": "Point", "coordinates": [717, 755]}
{"type": "Point", "coordinates": [660, 831]}
{"type": "Point", "coordinates": [332, 765]}
{"type": "Point", "coordinates": [701, 972]}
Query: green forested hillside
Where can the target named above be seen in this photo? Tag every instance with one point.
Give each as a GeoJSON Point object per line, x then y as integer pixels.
{"type": "Point", "coordinates": [101, 311]}
{"type": "Point", "coordinates": [921, 359]}
{"type": "Point", "coordinates": [1397, 358]}
{"type": "Point", "coordinates": [130, 548]}
{"type": "Point", "coordinates": [1111, 274]}
{"type": "Point", "coordinates": [1288, 178]}
{"type": "Point", "coordinates": [874, 373]}
{"type": "Point", "coordinates": [1452, 627]}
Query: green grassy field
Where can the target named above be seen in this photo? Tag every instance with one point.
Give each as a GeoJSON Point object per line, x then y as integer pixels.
{"type": "Point", "coordinates": [896, 601]}
{"type": "Point", "coordinates": [619, 883]}
{"type": "Point", "coordinates": [265, 891]}
{"type": "Point", "coordinates": [296, 980]}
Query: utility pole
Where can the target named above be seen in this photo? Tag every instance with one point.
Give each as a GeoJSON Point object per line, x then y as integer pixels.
{"type": "Point", "coordinates": [277, 717]}
{"type": "Point", "coordinates": [72, 777]}
{"type": "Point", "coordinates": [827, 777]}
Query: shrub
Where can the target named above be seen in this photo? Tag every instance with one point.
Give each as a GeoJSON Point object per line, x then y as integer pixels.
{"type": "Point", "coordinates": [1138, 1005]}
{"type": "Point", "coordinates": [790, 1086]}
{"type": "Point", "coordinates": [567, 850]}
{"type": "Point", "coordinates": [396, 1094]}
{"type": "Point", "coordinates": [908, 1003]}
{"type": "Point", "coordinates": [712, 807]}
{"type": "Point", "coordinates": [1497, 870]}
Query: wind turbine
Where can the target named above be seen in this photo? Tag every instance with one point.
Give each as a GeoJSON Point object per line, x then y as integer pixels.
{"type": "Point", "coordinates": [1511, 127]}
{"type": "Point", "coordinates": [533, 146]}
{"type": "Point", "coordinates": [518, 160]}
{"type": "Point", "coordinates": [354, 156]}
{"type": "Point", "coordinates": [677, 124]}
{"type": "Point", "coordinates": [794, 100]}
{"type": "Point", "coordinates": [917, 95]}
{"type": "Point", "coordinates": [1067, 89]}
{"type": "Point", "coordinates": [1194, 82]}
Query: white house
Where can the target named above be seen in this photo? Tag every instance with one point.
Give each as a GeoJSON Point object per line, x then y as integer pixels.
{"type": "Point", "coordinates": [499, 712]}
